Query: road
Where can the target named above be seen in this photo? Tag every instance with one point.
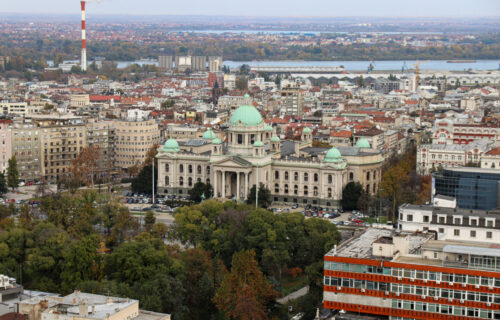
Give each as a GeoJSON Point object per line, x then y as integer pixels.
{"type": "Point", "coordinates": [294, 295]}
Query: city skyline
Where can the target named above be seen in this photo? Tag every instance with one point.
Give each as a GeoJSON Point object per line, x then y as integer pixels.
{"type": "Point", "coordinates": [278, 8]}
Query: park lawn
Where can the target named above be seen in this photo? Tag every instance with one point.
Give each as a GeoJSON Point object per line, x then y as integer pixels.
{"type": "Point", "coordinates": [290, 284]}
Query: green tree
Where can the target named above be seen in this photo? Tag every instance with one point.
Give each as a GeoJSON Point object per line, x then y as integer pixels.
{"type": "Point", "coordinates": [143, 183]}
{"type": "Point", "coordinates": [12, 173]}
{"type": "Point", "coordinates": [3, 185]}
{"type": "Point", "coordinates": [200, 191]}
{"type": "Point", "coordinates": [244, 292]}
{"type": "Point", "coordinates": [149, 220]}
{"type": "Point", "coordinates": [190, 225]}
{"type": "Point", "coordinates": [81, 262]}
{"type": "Point", "coordinates": [264, 196]}
{"type": "Point", "coordinates": [350, 195]}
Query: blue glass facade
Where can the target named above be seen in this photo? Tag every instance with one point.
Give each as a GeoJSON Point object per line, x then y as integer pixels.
{"type": "Point", "coordinates": [474, 188]}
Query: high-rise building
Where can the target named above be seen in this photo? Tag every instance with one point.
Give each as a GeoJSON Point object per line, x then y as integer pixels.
{"type": "Point", "coordinates": [27, 148]}
{"type": "Point", "coordinates": [215, 63]}
{"type": "Point", "coordinates": [291, 101]}
{"type": "Point", "coordinates": [183, 63]}
{"type": "Point", "coordinates": [198, 63]}
{"type": "Point", "coordinates": [101, 135]}
{"type": "Point", "coordinates": [165, 62]}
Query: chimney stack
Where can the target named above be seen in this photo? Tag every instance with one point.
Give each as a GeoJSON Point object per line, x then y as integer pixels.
{"type": "Point", "coordinates": [83, 60]}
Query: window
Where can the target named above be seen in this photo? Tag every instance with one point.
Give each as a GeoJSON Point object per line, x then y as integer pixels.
{"type": "Point", "coordinates": [456, 232]}
{"type": "Point", "coordinates": [190, 181]}
{"type": "Point", "coordinates": [473, 233]}
{"type": "Point", "coordinates": [315, 177]}
{"type": "Point", "coordinates": [489, 223]}
{"type": "Point", "coordinates": [409, 217]}
{"type": "Point", "coordinates": [351, 176]}
{"type": "Point", "coordinates": [330, 178]}
{"type": "Point", "coordinates": [276, 188]}
{"type": "Point", "coordinates": [305, 190]}
{"type": "Point", "coordinates": [199, 169]}
{"type": "Point", "coordinates": [181, 168]}
{"type": "Point", "coordinates": [167, 180]}
{"type": "Point", "coordinates": [296, 176]}
{"type": "Point", "coordinates": [457, 221]}
{"type": "Point", "coordinates": [442, 220]}
{"type": "Point", "coordinates": [190, 169]}
{"type": "Point", "coordinates": [181, 181]}
{"type": "Point", "coordinates": [167, 167]}
{"type": "Point", "coordinates": [286, 175]}
{"type": "Point", "coordinates": [426, 218]}
{"type": "Point", "coordinates": [368, 176]}
{"type": "Point", "coordinates": [276, 174]}
{"type": "Point", "coordinates": [240, 139]}
{"type": "Point", "coordinates": [489, 235]}
{"type": "Point", "coordinates": [329, 192]}
{"type": "Point", "coordinates": [315, 191]}
{"type": "Point", "coordinates": [473, 222]}
{"type": "Point", "coordinates": [296, 189]}
{"type": "Point", "coordinates": [286, 189]}
{"type": "Point", "coordinates": [306, 177]}
{"type": "Point", "coordinates": [441, 230]}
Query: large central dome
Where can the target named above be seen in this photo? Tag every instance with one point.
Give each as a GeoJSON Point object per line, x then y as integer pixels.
{"type": "Point", "coordinates": [246, 116]}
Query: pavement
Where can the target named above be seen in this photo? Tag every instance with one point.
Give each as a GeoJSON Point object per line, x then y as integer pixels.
{"type": "Point", "coordinates": [294, 295]}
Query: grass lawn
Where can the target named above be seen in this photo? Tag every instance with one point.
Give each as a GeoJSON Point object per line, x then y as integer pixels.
{"type": "Point", "coordinates": [290, 284]}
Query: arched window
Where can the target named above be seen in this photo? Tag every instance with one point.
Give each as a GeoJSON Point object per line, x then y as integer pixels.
{"type": "Point", "coordinates": [167, 180]}
{"type": "Point", "coordinates": [315, 191]}
{"type": "Point", "coordinates": [167, 167]}
{"type": "Point", "coordinates": [190, 181]}
{"type": "Point", "coordinates": [374, 187]}
{"type": "Point", "coordinates": [368, 176]}
{"type": "Point", "coordinates": [306, 177]}
{"type": "Point", "coordinates": [330, 178]}
{"type": "Point", "coordinates": [315, 177]}
{"type": "Point", "coordinates": [351, 176]}
{"type": "Point", "coordinates": [296, 176]}
{"type": "Point", "coordinates": [198, 180]}
{"type": "Point", "coordinates": [276, 188]}
{"type": "Point", "coordinates": [286, 175]}
{"type": "Point", "coordinates": [181, 181]}
{"type": "Point", "coordinates": [276, 174]}
{"type": "Point", "coordinates": [190, 169]}
{"type": "Point", "coordinates": [306, 191]}
{"type": "Point", "coordinates": [208, 181]}
{"type": "Point", "coordinates": [208, 169]}
{"type": "Point", "coordinates": [181, 168]}
{"type": "Point", "coordinates": [296, 189]}
{"type": "Point", "coordinates": [286, 188]}
{"type": "Point", "coordinates": [199, 169]}
{"type": "Point", "coordinates": [329, 192]}
{"type": "Point", "coordinates": [374, 175]}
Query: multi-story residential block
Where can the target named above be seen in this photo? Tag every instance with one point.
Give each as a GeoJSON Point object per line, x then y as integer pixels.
{"type": "Point", "coordinates": [473, 188]}
{"type": "Point", "coordinates": [19, 108]}
{"type": "Point", "coordinates": [133, 139]}
{"type": "Point", "coordinates": [391, 143]}
{"type": "Point", "coordinates": [79, 100]}
{"type": "Point", "coordinates": [26, 144]}
{"type": "Point", "coordinates": [6, 144]}
{"type": "Point", "coordinates": [407, 275]}
{"type": "Point", "coordinates": [101, 135]}
{"type": "Point", "coordinates": [374, 136]}
{"type": "Point", "coordinates": [233, 102]}
{"type": "Point", "coordinates": [430, 157]}
{"type": "Point", "coordinates": [491, 159]}
{"type": "Point", "coordinates": [165, 62]}
{"type": "Point", "coordinates": [448, 132]}
{"type": "Point", "coordinates": [291, 101]}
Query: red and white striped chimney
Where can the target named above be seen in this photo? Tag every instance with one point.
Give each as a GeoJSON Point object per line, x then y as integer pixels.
{"type": "Point", "coordinates": [84, 46]}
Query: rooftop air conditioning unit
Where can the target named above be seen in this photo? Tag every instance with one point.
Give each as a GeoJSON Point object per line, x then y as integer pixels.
{"type": "Point", "coordinates": [450, 299]}
{"type": "Point", "coordinates": [462, 300]}
{"type": "Point", "coordinates": [412, 279]}
{"type": "Point", "coordinates": [488, 304]}
{"type": "Point", "coordinates": [438, 282]}
{"type": "Point", "coordinates": [424, 296]}
{"type": "Point", "coordinates": [399, 278]}
{"type": "Point", "coordinates": [464, 285]}
{"type": "Point", "coordinates": [451, 283]}
{"type": "Point", "coordinates": [425, 280]}
{"type": "Point", "coordinates": [387, 293]}
{"type": "Point", "coordinates": [477, 286]}
{"type": "Point", "coordinates": [435, 298]}
{"type": "Point", "coordinates": [338, 288]}
{"type": "Point", "coordinates": [397, 294]}
{"type": "Point", "coordinates": [363, 290]}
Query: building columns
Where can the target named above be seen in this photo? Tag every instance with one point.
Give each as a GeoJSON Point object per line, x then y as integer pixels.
{"type": "Point", "coordinates": [238, 196]}
{"type": "Point", "coordinates": [216, 195]}
{"type": "Point", "coordinates": [223, 184]}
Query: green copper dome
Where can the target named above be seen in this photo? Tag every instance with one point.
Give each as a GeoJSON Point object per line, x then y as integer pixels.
{"type": "Point", "coordinates": [216, 141]}
{"type": "Point", "coordinates": [258, 144]}
{"type": "Point", "coordinates": [171, 146]}
{"type": "Point", "coordinates": [247, 95]}
{"type": "Point", "coordinates": [268, 128]}
{"type": "Point", "coordinates": [363, 143]}
{"type": "Point", "coordinates": [306, 130]}
{"type": "Point", "coordinates": [275, 139]}
{"type": "Point", "coordinates": [248, 116]}
{"type": "Point", "coordinates": [209, 135]}
{"type": "Point", "coordinates": [333, 155]}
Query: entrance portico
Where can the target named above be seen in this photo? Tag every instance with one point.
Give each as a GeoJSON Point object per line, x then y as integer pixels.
{"type": "Point", "coordinates": [230, 183]}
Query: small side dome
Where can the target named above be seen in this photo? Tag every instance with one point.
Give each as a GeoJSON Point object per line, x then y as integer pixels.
{"type": "Point", "coordinates": [171, 146]}
{"type": "Point", "coordinates": [306, 130]}
{"type": "Point", "coordinates": [247, 95]}
{"type": "Point", "coordinates": [216, 141]}
{"type": "Point", "coordinates": [363, 144]}
{"type": "Point", "coordinates": [209, 135]}
{"type": "Point", "coordinates": [333, 155]}
{"type": "Point", "coordinates": [275, 139]}
{"type": "Point", "coordinates": [258, 143]}
{"type": "Point", "coordinates": [268, 128]}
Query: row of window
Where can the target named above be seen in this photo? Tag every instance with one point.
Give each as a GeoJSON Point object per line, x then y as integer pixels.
{"type": "Point", "coordinates": [181, 181]}
{"type": "Point", "coordinates": [199, 169]}
{"type": "Point", "coordinates": [296, 190]}
{"type": "Point", "coordinates": [305, 176]}
{"type": "Point", "coordinates": [414, 290]}
{"type": "Point", "coordinates": [457, 220]}
{"type": "Point", "coordinates": [446, 309]}
{"type": "Point", "coordinates": [414, 274]}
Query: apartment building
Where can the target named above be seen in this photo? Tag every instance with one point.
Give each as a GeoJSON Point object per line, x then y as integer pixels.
{"type": "Point", "coordinates": [133, 139]}
{"type": "Point", "coordinates": [374, 136]}
{"type": "Point", "coordinates": [291, 101]}
{"type": "Point", "coordinates": [26, 146]}
{"type": "Point", "coordinates": [411, 275]}
{"type": "Point", "coordinates": [6, 144]}
{"type": "Point", "coordinates": [101, 135]}
{"type": "Point", "coordinates": [62, 138]}
{"type": "Point", "coordinates": [19, 108]}
{"type": "Point", "coordinates": [448, 132]}
{"type": "Point", "coordinates": [233, 102]}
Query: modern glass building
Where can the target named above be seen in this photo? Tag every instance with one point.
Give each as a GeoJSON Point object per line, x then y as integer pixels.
{"type": "Point", "coordinates": [474, 188]}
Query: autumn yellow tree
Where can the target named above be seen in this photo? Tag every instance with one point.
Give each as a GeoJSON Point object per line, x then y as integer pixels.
{"type": "Point", "coordinates": [392, 184]}
{"type": "Point", "coordinates": [244, 292]}
{"type": "Point", "coordinates": [86, 165]}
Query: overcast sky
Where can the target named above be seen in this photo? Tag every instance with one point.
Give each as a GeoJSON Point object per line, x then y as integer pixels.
{"type": "Point", "coordinates": [324, 8]}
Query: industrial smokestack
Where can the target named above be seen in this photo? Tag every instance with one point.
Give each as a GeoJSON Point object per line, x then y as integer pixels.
{"type": "Point", "coordinates": [83, 60]}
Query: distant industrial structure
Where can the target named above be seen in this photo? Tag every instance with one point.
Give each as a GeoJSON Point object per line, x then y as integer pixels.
{"type": "Point", "coordinates": [83, 60]}
{"type": "Point", "coordinates": [192, 63]}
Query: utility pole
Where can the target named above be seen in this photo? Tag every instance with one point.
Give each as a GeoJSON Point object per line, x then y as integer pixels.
{"type": "Point", "coordinates": [257, 189]}
{"type": "Point", "coordinates": [153, 202]}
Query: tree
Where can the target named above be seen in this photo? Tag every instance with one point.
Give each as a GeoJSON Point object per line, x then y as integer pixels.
{"type": "Point", "coordinates": [361, 82]}
{"type": "Point", "coordinates": [264, 196]}
{"type": "Point", "coordinates": [391, 185]}
{"type": "Point", "coordinates": [199, 191]}
{"type": "Point", "coordinates": [149, 220]}
{"type": "Point", "coordinates": [190, 225]}
{"type": "Point", "coordinates": [86, 166]}
{"type": "Point", "coordinates": [350, 195]}
{"type": "Point", "coordinates": [167, 104]}
{"type": "Point", "coordinates": [144, 180]}
{"type": "Point", "coordinates": [3, 184]}
{"type": "Point", "coordinates": [12, 173]}
{"type": "Point", "coordinates": [244, 292]}
{"type": "Point", "coordinates": [241, 83]}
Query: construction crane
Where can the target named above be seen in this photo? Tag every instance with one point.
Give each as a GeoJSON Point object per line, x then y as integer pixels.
{"type": "Point", "coordinates": [417, 72]}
